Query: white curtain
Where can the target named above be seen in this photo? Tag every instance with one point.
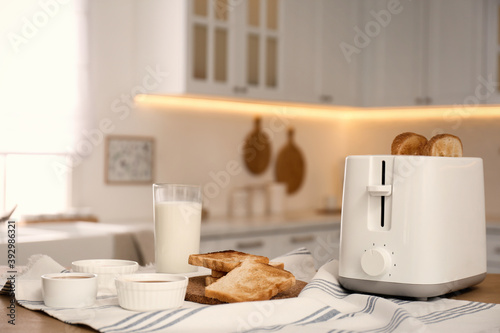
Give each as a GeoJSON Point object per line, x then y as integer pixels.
{"type": "Point", "coordinates": [43, 66]}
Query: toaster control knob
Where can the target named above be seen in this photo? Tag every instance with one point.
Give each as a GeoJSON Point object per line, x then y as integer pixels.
{"type": "Point", "coordinates": [375, 261]}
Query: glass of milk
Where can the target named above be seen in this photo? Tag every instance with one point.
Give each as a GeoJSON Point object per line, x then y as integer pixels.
{"type": "Point", "coordinates": [177, 220]}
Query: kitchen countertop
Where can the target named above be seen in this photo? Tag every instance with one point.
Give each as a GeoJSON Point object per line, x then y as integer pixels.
{"type": "Point", "coordinates": [64, 241]}
{"type": "Point", "coordinates": [487, 291]}
{"type": "Point", "coordinates": [218, 226]}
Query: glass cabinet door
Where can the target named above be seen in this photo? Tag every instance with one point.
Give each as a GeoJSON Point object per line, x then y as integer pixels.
{"type": "Point", "coordinates": [261, 43]}
{"type": "Point", "coordinates": [210, 40]}
{"type": "Point", "coordinates": [234, 47]}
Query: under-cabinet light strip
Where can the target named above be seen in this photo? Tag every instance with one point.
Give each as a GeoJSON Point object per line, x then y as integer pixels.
{"type": "Point", "coordinates": [448, 113]}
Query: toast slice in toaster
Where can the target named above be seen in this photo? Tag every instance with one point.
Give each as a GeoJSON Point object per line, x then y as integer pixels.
{"type": "Point", "coordinates": [408, 143]}
{"type": "Point", "coordinates": [444, 145]}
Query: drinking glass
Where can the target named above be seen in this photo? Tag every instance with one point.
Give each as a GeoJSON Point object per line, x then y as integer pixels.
{"type": "Point", "coordinates": [177, 221]}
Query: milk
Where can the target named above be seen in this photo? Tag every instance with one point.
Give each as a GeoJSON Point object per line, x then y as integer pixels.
{"type": "Point", "coordinates": [177, 235]}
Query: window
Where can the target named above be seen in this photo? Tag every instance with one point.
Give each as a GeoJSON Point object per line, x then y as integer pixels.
{"type": "Point", "coordinates": [33, 184]}
{"type": "Point", "coordinates": [42, 91]}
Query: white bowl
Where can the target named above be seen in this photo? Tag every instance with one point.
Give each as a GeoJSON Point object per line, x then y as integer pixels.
{"type": "Point", "coordinates": [107, 270]}
{"type": "Point", "coordinates": [69, 290]}
{"type": "Point", "coordinates": [149, 292]}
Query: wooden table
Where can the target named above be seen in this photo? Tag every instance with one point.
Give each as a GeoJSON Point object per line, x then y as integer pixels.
{"type": "Point", "coordinates": [35, 321]}
{"type": "Point", "coordinates": [487, 291]}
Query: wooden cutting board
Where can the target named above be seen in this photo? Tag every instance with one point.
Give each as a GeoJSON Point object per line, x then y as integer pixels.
{"type": "Point", "coordinates": [257, 149]}
{"type": "Point", "coordinates": [290, 165]}
{"type": "Point", "coordinates": [196, 291]}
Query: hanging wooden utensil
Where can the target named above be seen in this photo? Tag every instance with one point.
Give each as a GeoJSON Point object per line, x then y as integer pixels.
{"type": "Point", "coordinates": [290, 165]}
{"type": "Point", "coordinates": [257, 149]}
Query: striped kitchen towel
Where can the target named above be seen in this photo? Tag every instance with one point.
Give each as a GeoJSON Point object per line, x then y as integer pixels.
{"type": "Point", "coordinates": [323, 306]}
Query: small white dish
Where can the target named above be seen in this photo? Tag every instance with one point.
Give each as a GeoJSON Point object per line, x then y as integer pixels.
{"type": "Point", "coordinates": [69, 290]}
{"type": "Point", "coordinates": [107, 270]}
{"type": "Point", "coordinates": [152, 291]}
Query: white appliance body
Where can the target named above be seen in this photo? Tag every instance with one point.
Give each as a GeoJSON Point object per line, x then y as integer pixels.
{"type": "Point", "coordinates": [412, 225]}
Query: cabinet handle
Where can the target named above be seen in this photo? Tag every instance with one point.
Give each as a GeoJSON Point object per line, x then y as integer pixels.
{"type": "Point", "coordinates": [326, 98]}
{"type": "Point", "coordinates": [423, 100]}
{"type": "Point", "coordinates": [302, 239]}
{"type": "Point", "coordinates": [249, 245]}
{"type": "Point", "coordinates": [239, 90]}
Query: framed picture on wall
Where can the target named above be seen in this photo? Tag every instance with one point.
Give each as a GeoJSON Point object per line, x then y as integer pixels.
{"type": "Point", "coordinates": [129, 160]}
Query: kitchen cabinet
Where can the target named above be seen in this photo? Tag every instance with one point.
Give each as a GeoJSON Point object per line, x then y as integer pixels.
{"type": "Point", "coordinates": [299, 49]}
{"type": "Point", "coordinates": [321, 239]}
{"type": "Point", "coordinates": [493, 249]}
{"type": "Point", "coordinates": [222, 48]}
{"type": "Point", "coordinates": [490, 91]}
{"type": "Point", "coordinates": [393, 58]}
{"type": "Point", "coordinates": [323, 245]}
{"type": "Point", "coordinates": [258, 49]}
{"type": "Point", "coordinates": [456, 46]}
{"type": "Point", "coordinates": [336, 66]}
{"type": "Point", "coordinates": [260, 32]}
{"type": "Point", "coordinates": [316, 68]}
{"type": "Point", "coordinates": [259, 245]}
{"type": "Point", "coordinates": [425, 52]}
{"type": "Point", "coordinates": [343, 52]}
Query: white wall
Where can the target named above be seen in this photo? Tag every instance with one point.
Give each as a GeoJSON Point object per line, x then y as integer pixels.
{"type": "Point", "coordinates": [195, 147]}
{"type": "Point", "coordinates": [111, 60]}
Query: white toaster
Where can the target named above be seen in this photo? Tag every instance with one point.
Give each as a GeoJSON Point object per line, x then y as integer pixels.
{"type": "Point", "coordinates": [412, 225]}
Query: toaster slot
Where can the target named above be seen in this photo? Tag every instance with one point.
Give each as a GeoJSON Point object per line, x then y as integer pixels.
{"type": "Point", "coordinates": [379, 198]}
{"type": "Point", "coordinates": [382, 198]}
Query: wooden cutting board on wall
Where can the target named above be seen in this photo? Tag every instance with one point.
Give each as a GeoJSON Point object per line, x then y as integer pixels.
{"type": "Point", "coordinates": [257, 149]}
{"type": "Point", "coordinates": [290, 165]}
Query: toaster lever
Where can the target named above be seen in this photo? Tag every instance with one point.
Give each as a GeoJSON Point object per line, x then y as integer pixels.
{"type": "Point", "coordinates": [379, 190]}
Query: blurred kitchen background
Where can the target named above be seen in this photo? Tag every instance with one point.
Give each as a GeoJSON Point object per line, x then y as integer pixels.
{"type": "Point", "coordinates": [192, 75]}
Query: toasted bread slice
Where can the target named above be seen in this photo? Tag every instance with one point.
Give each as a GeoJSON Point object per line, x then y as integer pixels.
{"type": "Point", "coordinates": [408, 143]}
{"type": "Point", "coordinates": [251, 281]}
{"type": "Point", "coordinates": [217, 274]}
{"type": "Point", "coordinates": [444, 145]}
{"type": "Point", "coordinates": [210, 279]}
{"type": "Point", "coordinates": [276, 264]}
{"type": "Point", "coordinates": [223, 261]}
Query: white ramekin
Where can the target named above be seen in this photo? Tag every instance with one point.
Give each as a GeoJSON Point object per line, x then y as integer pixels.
{"type": "Point", "coordinates": [69, 290]}
{"type": "Point", "coordinates": [107, 270]}
{"type": "Point", "coordinates": [136, 295]}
